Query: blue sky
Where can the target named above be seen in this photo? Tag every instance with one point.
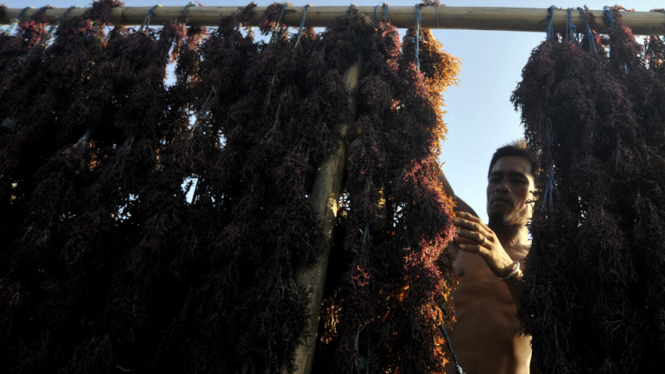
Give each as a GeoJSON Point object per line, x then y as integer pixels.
{"type": "Point", "coordinates": [481, 117]}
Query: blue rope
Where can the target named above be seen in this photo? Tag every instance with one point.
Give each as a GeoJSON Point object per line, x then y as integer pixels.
{"type": "Point", "coordinates": [151, 12]}
{"type": "Point", "coordinates": [571, 29]}
{"type": "Point", "coordinates": [374, 16]}
{"type": "Point", "coordinates": [418, 19]}
{"type": "Point", "coordinates": [16, 20]}
{"type": "Point", "coordinates": [550, 17]}
{"type": "Point", "coordinates": [608, 15]}
{"type": "Point", "coordinates": [589, 34]}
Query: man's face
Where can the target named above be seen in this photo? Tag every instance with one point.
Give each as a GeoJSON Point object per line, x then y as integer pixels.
{"type": "Point", "coordinates": [509, 189]}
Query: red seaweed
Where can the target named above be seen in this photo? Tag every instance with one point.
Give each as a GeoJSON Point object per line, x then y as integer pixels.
{"type": "Point", "coordinates": [592, 297]}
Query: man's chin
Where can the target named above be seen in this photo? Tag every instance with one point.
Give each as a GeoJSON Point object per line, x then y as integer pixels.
{"type": "Point", "coordinates": [498, 219]}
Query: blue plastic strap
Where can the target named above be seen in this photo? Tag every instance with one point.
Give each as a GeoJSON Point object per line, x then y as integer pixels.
{"type": "Point", "coordinates": [83, 141]}
{"type": "Point", "coordinates": [418, 18]}
{"type": "Point", "coordinates": [190, 4]}
{"type": "Point", "coordinates": [386, 15]}
{"type": "Point", "coordinates": [204, 110]}
{"type": "Point", "coordinates": [351, 7]}
{"type": "Point", "coordinates": [302, 26]}
{"type": "Point", "coordinates": [127, 143]}
{"type": "Point", "coordinates": [548, 199]}
{"type": "Point", "coordinates": [151, 12]}
{"type": "Point", "coordinates": [16, 20]}
{"type": "Point", "coordinates": [374, 16]}
{"type": "Point", "coordinates": [51, 30]}
{"type": "Point", "coordinates": [276, 28]}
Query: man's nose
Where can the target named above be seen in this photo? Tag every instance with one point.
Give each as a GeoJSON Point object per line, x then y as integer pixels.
{"type": "Point", "coordinates": [503, 186]}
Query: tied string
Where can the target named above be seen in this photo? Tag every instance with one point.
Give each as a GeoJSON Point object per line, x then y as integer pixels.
{"type": "Point", "coordinates": [548, 199]}
{"type": "Point", "coordinates": [16, 20]}
{"type": "Point", "coordinates": [418, 19]}
{"type": "Point", "coordinates": [151, 12]}
{"type": "Point", "coordinates": [571, 29]}
{"type": "Point", "coordinates": [549, 31]}
{"type": "Point", "coordinates": [589, 33]}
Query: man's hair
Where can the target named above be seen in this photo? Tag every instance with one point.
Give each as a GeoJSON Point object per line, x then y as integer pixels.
{"type": "Point", "coordinates": [517, 148]}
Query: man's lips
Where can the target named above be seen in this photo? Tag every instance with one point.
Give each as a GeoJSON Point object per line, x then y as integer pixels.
{"type": "Point", "coordinates": [501, 200]}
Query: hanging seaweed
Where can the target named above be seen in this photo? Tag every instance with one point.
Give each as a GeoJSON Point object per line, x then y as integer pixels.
{"type": "Point", "coordinates": [384, 311]}
{"type": "Point", "coordinates": [92, 157]}
{"type": "Point", "coordinates": [154, 227]}
{"type": "Point", "coordinates": [593, 295]}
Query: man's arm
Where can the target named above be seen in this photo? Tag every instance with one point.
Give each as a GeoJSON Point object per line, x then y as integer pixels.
{"type": "Point", "coordinates": [460, 206]}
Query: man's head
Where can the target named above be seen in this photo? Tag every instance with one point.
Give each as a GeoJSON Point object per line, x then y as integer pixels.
{"type": "Point", "coordinates": [510, 185]}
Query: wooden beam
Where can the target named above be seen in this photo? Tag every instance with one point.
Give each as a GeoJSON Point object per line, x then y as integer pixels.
{"type": "Point", "coordinates": [442, 17]}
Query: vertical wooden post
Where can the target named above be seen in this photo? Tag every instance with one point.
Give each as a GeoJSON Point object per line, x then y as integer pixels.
{"type": "Point", "coordinates": [325, 195]}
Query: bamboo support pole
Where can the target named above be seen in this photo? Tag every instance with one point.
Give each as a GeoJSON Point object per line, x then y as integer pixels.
{"type": "Point", "coordinates": [325, 195]}
{"type": "Point", "coordinates": [441, 17]}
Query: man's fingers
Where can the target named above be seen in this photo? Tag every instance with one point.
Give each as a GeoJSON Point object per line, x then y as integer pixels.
{"type": "Point", "coordinates": [471, 248]}
{"type": "Point", "coordinates": [472, 226]}
{"type": "Point", "coordinates": [473, 236]}
{"type": "Point", "coordinates": [469, 217]}
{"type": "Point", "coordinates": [462, 240]}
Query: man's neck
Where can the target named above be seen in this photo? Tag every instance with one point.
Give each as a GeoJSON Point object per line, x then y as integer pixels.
{"type": "Point", "coordinates": [511, 236]}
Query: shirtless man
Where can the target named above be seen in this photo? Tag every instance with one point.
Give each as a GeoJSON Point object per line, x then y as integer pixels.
{"type": "Point", "coordinates": [486, 337]}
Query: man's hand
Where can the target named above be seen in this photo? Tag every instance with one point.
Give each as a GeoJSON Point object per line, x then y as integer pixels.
{"type": "Point", "coordinates": [473, 236]}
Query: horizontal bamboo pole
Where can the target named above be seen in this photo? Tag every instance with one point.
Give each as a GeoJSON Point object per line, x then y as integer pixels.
{"type": "Point", "coordinates": [442, 17]}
